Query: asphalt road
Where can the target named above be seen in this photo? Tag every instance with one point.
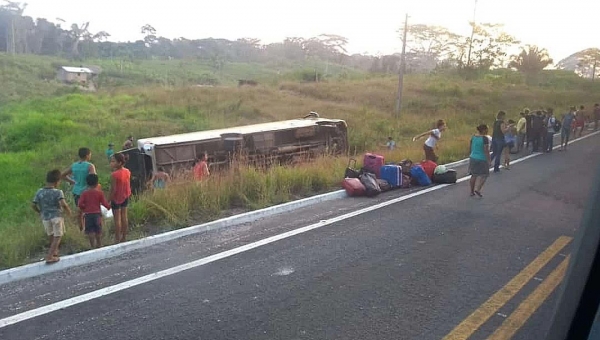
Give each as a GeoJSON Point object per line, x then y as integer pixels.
{"type": "Point", "coordinates": [415, 269]}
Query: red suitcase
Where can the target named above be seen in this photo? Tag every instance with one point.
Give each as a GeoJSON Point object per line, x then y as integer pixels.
{"type": "Point", "coordinates": [353, 187]}
{"type": "Point", "coordinates": [429, 167]}
{"type": "Point", "coordinates": [373, 163]}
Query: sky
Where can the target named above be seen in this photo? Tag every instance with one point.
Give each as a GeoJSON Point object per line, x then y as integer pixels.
{"type": "Point", "coordinates": [563, 28]}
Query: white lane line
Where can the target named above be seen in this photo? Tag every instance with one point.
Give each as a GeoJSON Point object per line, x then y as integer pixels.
{"type": "Point", "coordinates": [174, 270]}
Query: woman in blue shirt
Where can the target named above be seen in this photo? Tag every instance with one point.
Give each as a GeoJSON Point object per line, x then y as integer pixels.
{"type": "Point", "coordinates": [479, 159]}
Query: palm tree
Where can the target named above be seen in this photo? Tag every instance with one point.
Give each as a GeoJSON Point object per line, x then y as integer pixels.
{"type": "Point", "coordinates": [531, 60]}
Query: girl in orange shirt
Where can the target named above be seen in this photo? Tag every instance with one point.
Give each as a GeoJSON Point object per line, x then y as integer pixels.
{"type": "Point", "coordinates": [120, 190]}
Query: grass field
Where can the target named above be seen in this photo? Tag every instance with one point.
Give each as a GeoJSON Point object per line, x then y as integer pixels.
{"type": "Point", "coordinates": [43, 128]}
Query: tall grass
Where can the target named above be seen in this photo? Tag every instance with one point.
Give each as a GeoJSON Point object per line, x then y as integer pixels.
{"type": "Point", "coordinates": [37, 135]}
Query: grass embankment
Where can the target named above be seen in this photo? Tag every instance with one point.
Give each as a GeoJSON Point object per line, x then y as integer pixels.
{"type": "Point", "coordinates": [28, 76]}
{"type": "Point", "coordinates": [38, 135]}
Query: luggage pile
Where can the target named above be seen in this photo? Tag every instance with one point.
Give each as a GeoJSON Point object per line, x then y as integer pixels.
{"type": "Point", "coordinates": [376, 176]}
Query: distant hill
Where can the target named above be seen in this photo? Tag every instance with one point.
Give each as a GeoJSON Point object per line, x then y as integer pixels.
{"type": "Point", "coordinates": [572, 63]}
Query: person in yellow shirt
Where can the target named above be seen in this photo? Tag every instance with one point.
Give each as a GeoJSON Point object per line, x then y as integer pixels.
{"type": "Point", "coordinates": [521, 132]}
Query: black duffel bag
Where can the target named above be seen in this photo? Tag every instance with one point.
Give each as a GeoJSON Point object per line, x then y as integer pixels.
{"type": "Point", "coordinates": [448, 177]}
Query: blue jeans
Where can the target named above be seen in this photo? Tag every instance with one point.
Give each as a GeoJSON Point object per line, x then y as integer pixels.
{"type": "Point", "coordinates": [497, 147]}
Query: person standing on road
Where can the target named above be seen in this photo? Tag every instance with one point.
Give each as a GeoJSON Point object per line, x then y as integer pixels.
{"type": "Point", "coordinates": [479, 160]}
{"type": "Point", "coordinates": [431, 142]}
{"type": "Point", "coordinates": [500, 128]}
{"type": "Point", "coordinates": [510, 140]}
{"type": "Point", "coordinates": [596, 116]}
{"type": "Point", "coordinates": [579, 121]}
{"type": "Point", "coordinates": [565, 131]}
{"type": "Point", "coordinates": [551, 123]}
{"type": "Point", "coordinates": [78, 171]}
{"type": "Point", "coordinates": [537, 130]}
{"type": "Point", "coordinates": [521, 132]}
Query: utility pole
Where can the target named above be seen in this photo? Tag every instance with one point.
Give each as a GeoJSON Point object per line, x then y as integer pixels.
{"type": "Point", "coordinates": [402, 69]}
{"type": "Point", "coordinates": [472, 34]}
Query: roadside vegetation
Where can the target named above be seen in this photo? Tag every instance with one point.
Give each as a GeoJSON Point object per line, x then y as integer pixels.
{"type": "Point", "coordinates": [158, 86]}
{"type": "Point", "coordinates": [45, 132]}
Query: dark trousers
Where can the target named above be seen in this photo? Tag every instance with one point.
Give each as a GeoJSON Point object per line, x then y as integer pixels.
{"type": "Point", "coordinates": [536, 140]}
{"type": "Point", "coordinates": [497, 147]}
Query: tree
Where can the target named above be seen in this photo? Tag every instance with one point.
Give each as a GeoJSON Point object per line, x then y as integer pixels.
{"type": "Point", "coordinates": [15, 10]}
{"type": "Point", "coordinates": [149, 33]}
{"type": "Point", "coordinates": [489, 47]}
{"type": "Point", "coordinates": [434, 41]}
{"type": "Point", "coordinates": [531, 60]}
{"type": "Point", "coordinates": [77, 34]}
{"type": "Point", "coordinates": [588, 62]}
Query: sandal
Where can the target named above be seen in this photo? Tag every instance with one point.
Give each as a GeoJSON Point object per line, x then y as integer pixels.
{"type": "Point", "coordinates": [52, 260]}
{"type": "Point", "coordinates": [478, 193]}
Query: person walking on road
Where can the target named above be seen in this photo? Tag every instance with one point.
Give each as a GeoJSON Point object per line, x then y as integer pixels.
{"type": "Point", "coordinates": [479, 160]}
{"type": "Point", "coordinates": [500, 128]}
{"type": "Point", "coordinates": [431, 142]}
{"type": "Point", "coordinates": [565, 131]}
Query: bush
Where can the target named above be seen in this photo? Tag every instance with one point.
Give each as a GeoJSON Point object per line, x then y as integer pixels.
{"type": "Point", "coordinates": [34, 131]}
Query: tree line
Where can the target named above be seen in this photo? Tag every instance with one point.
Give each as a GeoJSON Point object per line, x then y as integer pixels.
{"type": "Point", "coordinates": [428, 47]}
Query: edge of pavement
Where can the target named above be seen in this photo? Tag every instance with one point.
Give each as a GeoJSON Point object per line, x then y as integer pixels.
{"type": "Point", "coordinates": [86, 257]}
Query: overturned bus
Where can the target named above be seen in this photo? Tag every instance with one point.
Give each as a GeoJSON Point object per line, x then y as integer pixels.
{"type": "Point", "coordinates": [280, 142]}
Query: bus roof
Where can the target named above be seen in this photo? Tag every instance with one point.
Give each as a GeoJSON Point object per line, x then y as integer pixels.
{"type": "Point", "coordinates": [246, 129]}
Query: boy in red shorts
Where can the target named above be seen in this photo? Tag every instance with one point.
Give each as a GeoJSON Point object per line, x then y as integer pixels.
{"type": "Point", "coordinates": [89, 207]}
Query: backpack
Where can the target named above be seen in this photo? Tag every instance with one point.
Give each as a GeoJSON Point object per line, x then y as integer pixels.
{"type": "Point", "coordinates": [370, 182]}
{"type": "Point", "coordinates": [557, 125]}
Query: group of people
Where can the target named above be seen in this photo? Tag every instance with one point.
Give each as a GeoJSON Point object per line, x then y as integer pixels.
{"type": "Point", "coordinates": [50, 203]}
{"type": "Point", "coordinates": [533, 128]}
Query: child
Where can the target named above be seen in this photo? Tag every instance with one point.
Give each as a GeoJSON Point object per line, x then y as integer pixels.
{"type": "Point", "coordinates": [120, 190]}
{"type": "Point", "coordinates": [431, 142]}
{"type": "Point", "coordinates": [160, 178]}
{"type": "Point", "coordinates": [79, 171]}
{"type": "Point", "coordinates": [110, 151]}
{"type": "Point", "coordinates": [201, 167]}
{"type": "Point", "coordinates": [49, 202]}
{"type": "Point", "coordinates": [89, 209]}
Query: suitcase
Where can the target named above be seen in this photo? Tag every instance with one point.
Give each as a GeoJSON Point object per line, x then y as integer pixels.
{"type": "Point", "coordinates": [419, 175]}
{"type": "Point", "coordinates": [373, 163]}
{"type": "Point", "coordinates": [429, 167]}
{"type": "Point", "coordinates": [351, 171]}
{"type": "Point", "coordinates": [353, 187]}
{"type": "Point", "coordinates": [448, 177]}
{"type": "Point", "coordinates": [392, 174]}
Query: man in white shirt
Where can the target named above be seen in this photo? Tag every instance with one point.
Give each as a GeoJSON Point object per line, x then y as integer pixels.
{"type": "Point", "coordinates": [431, 142]}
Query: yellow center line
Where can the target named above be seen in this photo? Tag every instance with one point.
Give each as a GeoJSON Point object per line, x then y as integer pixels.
{"type": "Point", "coordinates": [472, 323]}
{"type": "Point", "coordinates": [518, 318]}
